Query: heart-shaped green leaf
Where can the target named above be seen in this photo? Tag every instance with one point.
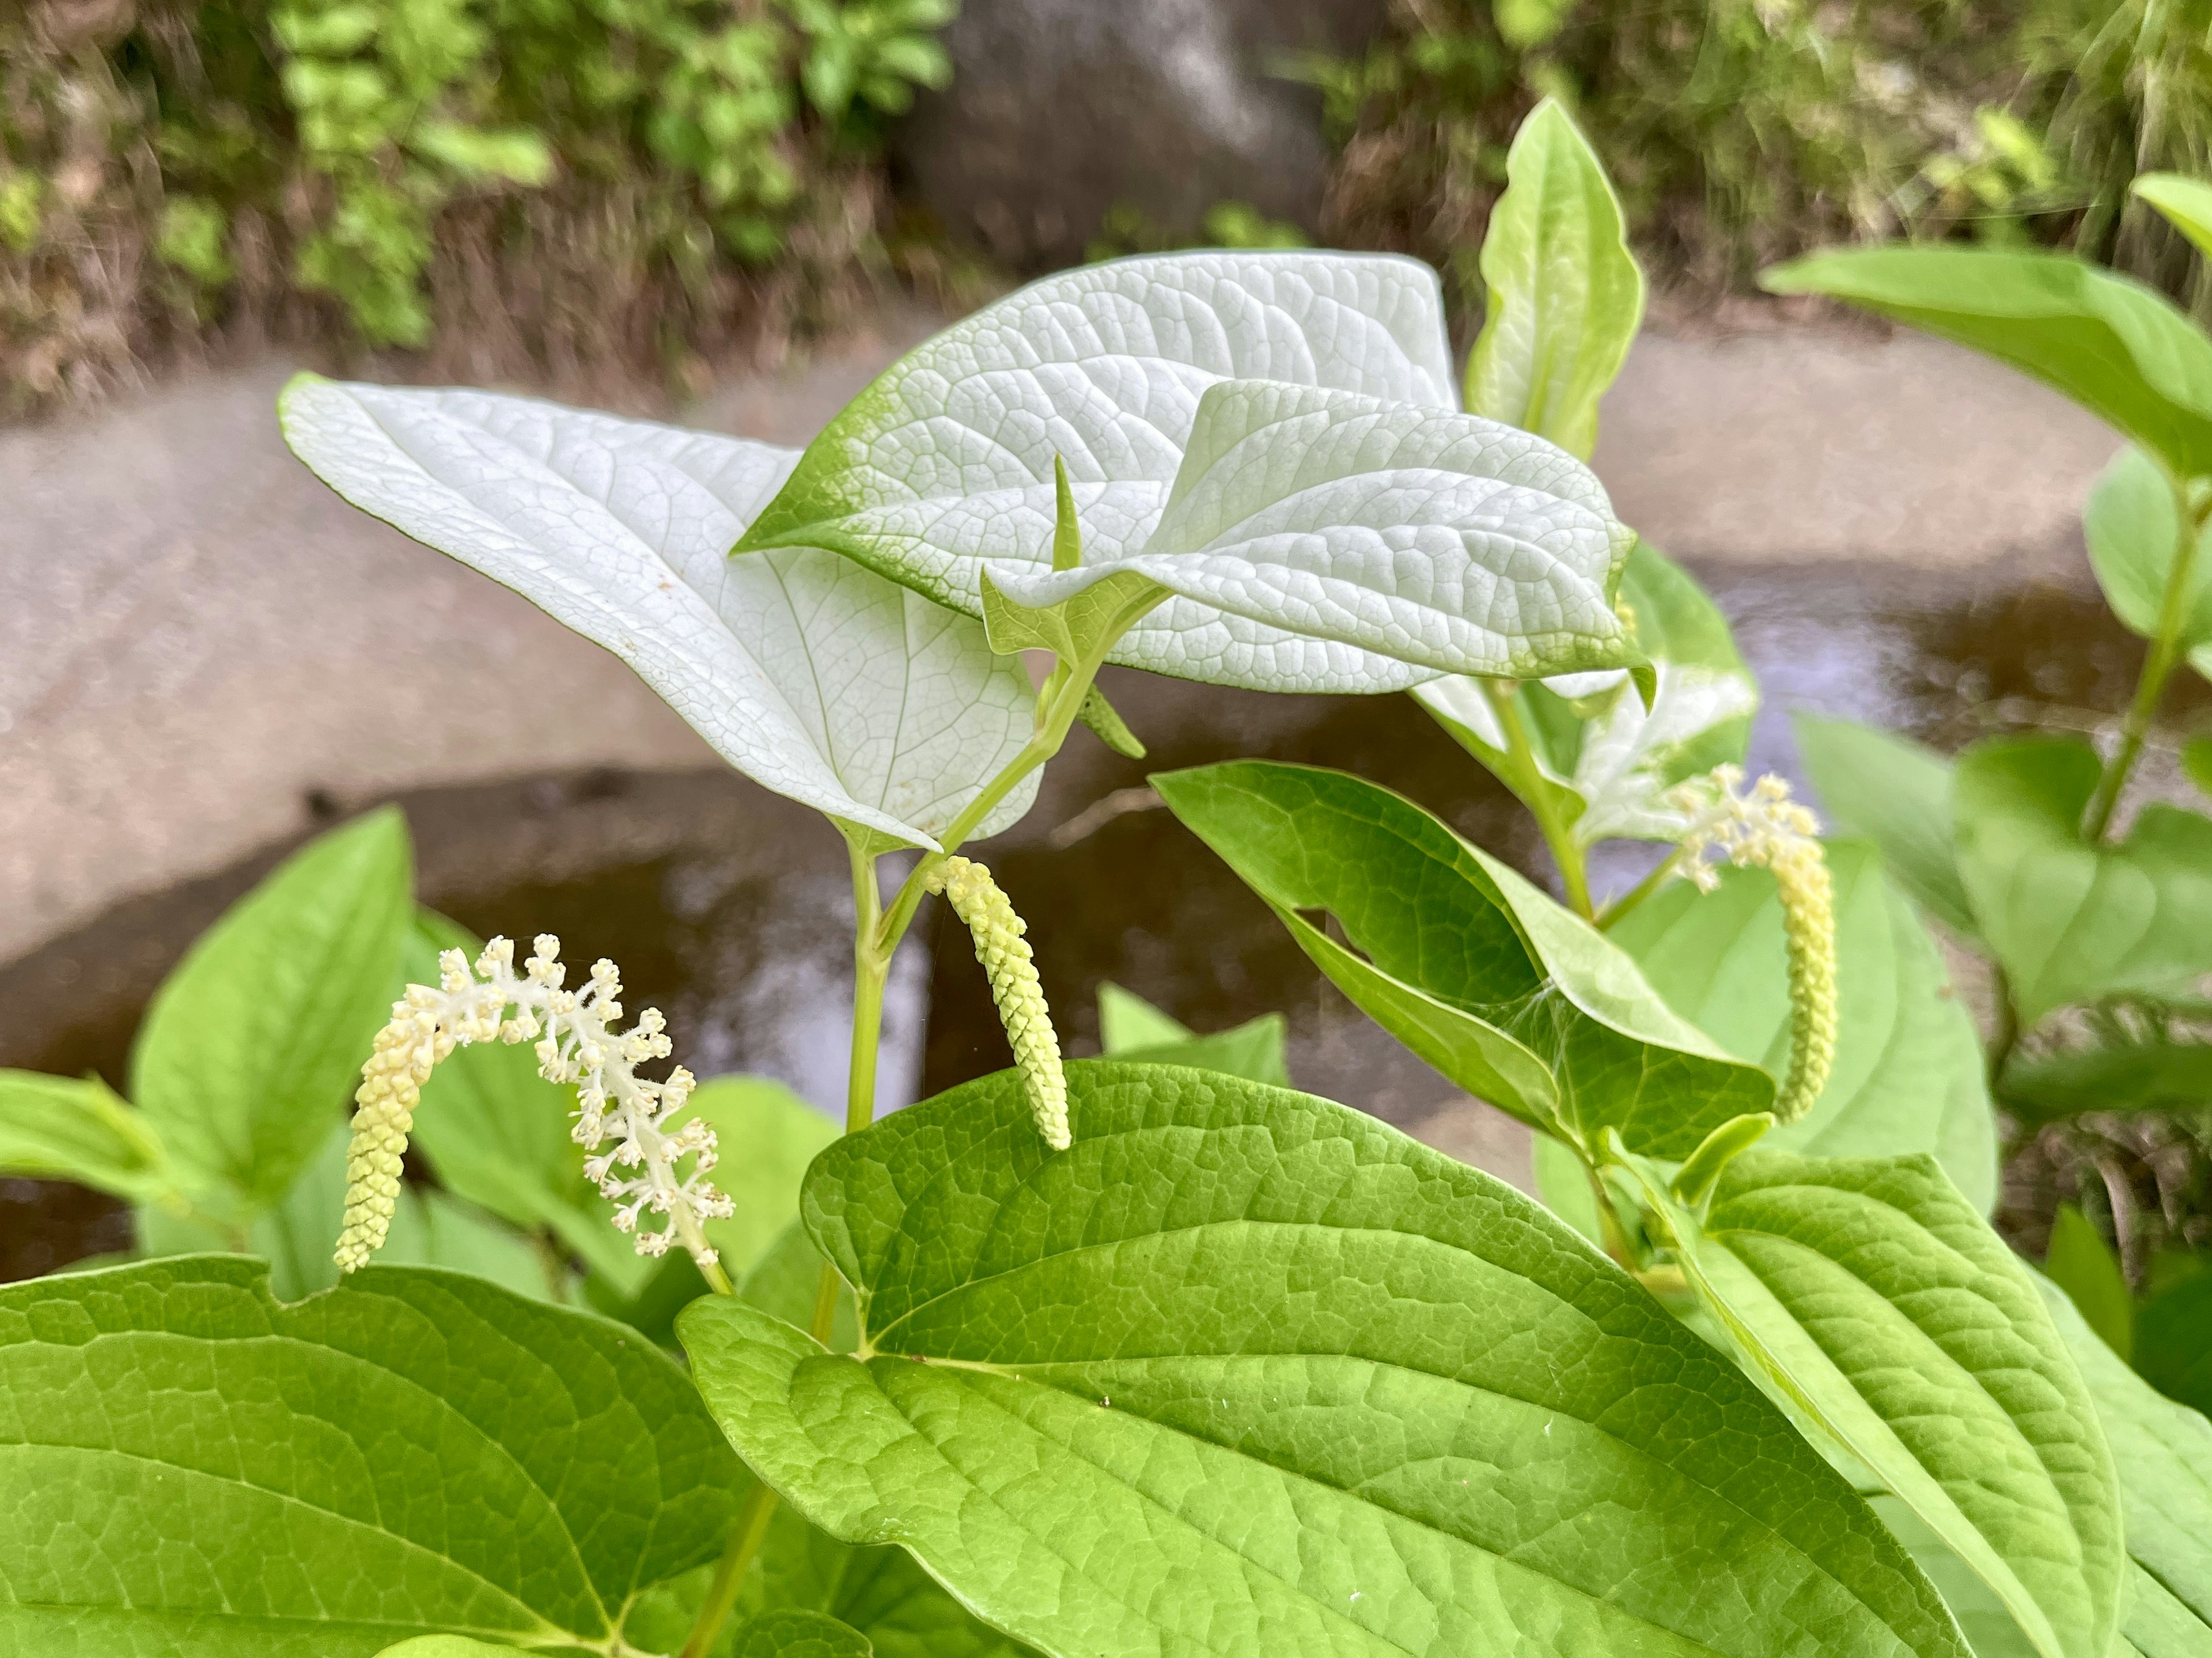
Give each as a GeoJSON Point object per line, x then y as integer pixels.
{"type": "Point", "coordinates": [809, 674]}
{"type": "Point", "coordinates": [2133, 528]}
{"type": "Point", "coordinates": [1869, 1296]}
{"type": "Point", "coordinates": [1419, 534]}
{"type": "Point", "coordinates": [196, 1470]}
{"type": "Point", "coordinates": [1245, 1371]}
{"type": "Point", "coordinates": [943, 468]}
{"type": "Point", "coordinates": [2070, 921]}
{"type": "Point", "coordinates": [1908, 1074]}
{"type": "Point", "coordinates": [1891, 790]}
{"type": "Point", "coordinates": [2164, 1455]}
{"type": "Point", "coordinates": [1565, 294]}
{"type": "Point", "coordinates": [1458, 957]}
{"type": "Point", "coordinates": [253, 1045]}
{"type": "Point", "coordinates": [2123, 351]}
{"type": "Point", "coordinates": [1605, 757]}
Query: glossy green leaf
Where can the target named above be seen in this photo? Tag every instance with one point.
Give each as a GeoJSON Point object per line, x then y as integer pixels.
{"type": "Point", "coordinates": [2080, 1262]}
{"type": "Point", "coordinates": [75, 1129]}
{"type": "Point", "coordinates": [2186, 203]}
{"type": "Point", "coordinates": [1566, 296]}
{"type": "Point", "coordinates": [1606, 756]}
{"type": "Point", "coordinates": [2133, 527]}
{"type": "Point", "coordinates": [2173, 1340]}
{"type": "Point", "coordinates": [191, 1467]}
{"type": "Point", "coordinates": [1458, 957]}
{"type": "Point", "coordinates": [1414, 534]}
{"type": "Point", "coordinates": [1875, 1301]}
{"type": "Point", "coordinates": [2123, 351]}
{"type": "Point", "coordinates": [809, 674]}
{"type": "Point", "coordinates": [943, 467]}
{"type": "Point", "coordinates": [1131, 1028]}
{"type": "Point", "coordinates": [1895, 793]}
{"type": "Point", "coordinates": [1908, 1071]}
{"type": "Point", "coordinates": [253, 1045]}
{"type": "Point", "coordinates": [2164, 1455]}
{"type": "Point", "coordinates": [2070, 921]}
{"type": "Point", "coordinates": [1245, 1371]}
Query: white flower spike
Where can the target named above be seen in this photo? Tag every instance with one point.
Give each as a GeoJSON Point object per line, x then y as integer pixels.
{"type": "Point", "coordinates": [576, 1043]}
{"type": "Point", "coordinates": [1004, 953]}
{"type": "Point", "coordinates": [1764, 828]}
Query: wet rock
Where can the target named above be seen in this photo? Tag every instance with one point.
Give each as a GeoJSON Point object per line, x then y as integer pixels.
{"type": "Point", "coordinates": [1060, 109]}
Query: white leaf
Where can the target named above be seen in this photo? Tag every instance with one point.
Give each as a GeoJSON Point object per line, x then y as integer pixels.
{"type": "Point", "coordinates": [814, 677]}
{"type": "Point", "coordinates": [1435, 539]}
{"type": "Point", "coordinates": [945, 465]}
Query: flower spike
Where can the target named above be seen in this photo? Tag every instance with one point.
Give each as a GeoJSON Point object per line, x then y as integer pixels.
{"type": "Point", "coordinates": [1762, 826]}
{"type": "Point", "coordinates": [577, 1043]}
{"type": "Point", "coordinates": [1004, 953]}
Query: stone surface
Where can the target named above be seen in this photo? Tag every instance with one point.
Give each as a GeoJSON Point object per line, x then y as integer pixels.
{"type": "Point", "coordinates": [1060, 109]}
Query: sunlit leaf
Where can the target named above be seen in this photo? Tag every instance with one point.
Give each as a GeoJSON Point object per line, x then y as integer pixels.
{"type": "Point", "coordinates": [1896, 793]}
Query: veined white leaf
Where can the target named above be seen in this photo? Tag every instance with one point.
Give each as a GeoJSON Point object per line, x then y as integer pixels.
{"type": "Point", "coordinates": [1423, 535]}
{"type": "Point", "coordinates": [815, 678]}
{"type": "Point", "coordinates": [943, 467]}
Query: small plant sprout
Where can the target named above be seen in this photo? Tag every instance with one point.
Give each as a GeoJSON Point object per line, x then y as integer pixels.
{"type": "Point", "coordinates": [576, 1043]}
{"type": "Point", "coordinates": [977, 900]}
{"type": "Point", "coordinates": [1763, 828]}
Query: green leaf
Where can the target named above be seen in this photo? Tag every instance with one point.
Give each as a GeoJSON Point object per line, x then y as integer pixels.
{"type": "Point", "coordinates": [809, 674]}
{"type": "Point", "coordinates": [789, 1634]}
{"type": "Point", "coordinates": [196, 1469]}
{"type": "Point", "coordinates": [254, 1044]}
{"type": "Point", "coordinates": [73, 1129]}
{"type": "Point", "coordinates": [2173, 1339]}
{"type": "Point", "coordinates": [2070, 921]}
{"type": "Point", "coordinates": [2159, 1624]}
{"type": "Point", "coordinates": [445, 1645]}
{"type": "Point", "coordinates": [2164, 1455]}
{"type": "Point", "coordinates": [2121, 351]}
{"type": "Point", "coordinates": [1455, 955]}
{"type": "Point", "coordinates": [1872, 1299]}
{"type": "Point", "coordinates": [2197, 762]}
{"type": "Point", "coordinates": [1131, 1028]}
{"type": "Point", "coordinates": [2137, 1066]}
{"type": "Point", "coordinates": [767, 1135]}
{"type": "Point", "coordinates": [2133, 526]}
{"type": "Point", "coordinates": [2079, 1261]}
{"type": "Point", "coordinates": [943, 468]}
{"type": "Point", "coordinates": [1606, 755]}
{"type": "Point", "coordinates": [2187, 203]}
{"type": "Point", "coordinates": [1896, 793]}
{"type": "Point", "coordinates": [1565, 295]}
{"type": "Point", "coordinates": [1245, 1371]}
{"type": "Point", "coordinates": [1908, 1071]}
{"type": "Point", "coordinates": [1405, 532]}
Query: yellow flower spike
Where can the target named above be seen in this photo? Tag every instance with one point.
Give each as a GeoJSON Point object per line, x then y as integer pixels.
{"type": "Point", "coordinates": [578, 1044]}
{"type": "Point", "coordinates": [1764, 828]}
{"type": "Point", "coordinates": [1004, 953]}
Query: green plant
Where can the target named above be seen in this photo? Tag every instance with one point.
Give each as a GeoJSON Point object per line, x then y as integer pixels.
{"type": "Point", "coordinates": [1150, 1354]}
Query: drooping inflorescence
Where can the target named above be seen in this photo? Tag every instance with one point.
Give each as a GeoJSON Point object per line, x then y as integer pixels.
{"type": "Point", "coordinates": [1004, 953]}
{"type": "Point", "coordinates": [576, 1043]}
{"type": "Point", "coordinates": [1762, 826]}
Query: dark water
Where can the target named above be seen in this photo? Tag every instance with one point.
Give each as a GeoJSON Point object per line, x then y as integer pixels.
{"type": "Point", "coordinates": [729, 908]}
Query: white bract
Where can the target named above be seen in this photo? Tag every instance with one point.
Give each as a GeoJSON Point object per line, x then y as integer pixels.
{"type": "Point", "coordinates": [812, 676]}
{"type": "Point", "coordinates": [1437, 539]}
{"type": "Point", "coordinates": [942, 470]}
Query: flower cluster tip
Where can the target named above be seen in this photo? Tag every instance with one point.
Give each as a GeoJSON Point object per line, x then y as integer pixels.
{"type": "Point", "coordinates": [1015, 988]}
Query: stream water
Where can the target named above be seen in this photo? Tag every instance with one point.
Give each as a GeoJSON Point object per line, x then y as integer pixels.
{"type": "Point", "coordinates": [729, 908]}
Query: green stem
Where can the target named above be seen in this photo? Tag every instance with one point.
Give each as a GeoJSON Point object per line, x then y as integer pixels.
{"type": "Point", "coordinates": [1662, 872]}
{"type": "Point", "coordinates": [730, 1576]}
{"type": "Point", "coordinates": [2158, 667]}
{"type": "Point", "coordinates": [871, 970]}
{"type": "Point", "coordinates": [2006, 1036]}
{"type": "Point", "coordinates": [1535, 791]}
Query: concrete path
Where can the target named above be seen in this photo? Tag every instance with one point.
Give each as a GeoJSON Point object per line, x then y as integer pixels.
{"type": "Point", "coordinates": [197, 642]}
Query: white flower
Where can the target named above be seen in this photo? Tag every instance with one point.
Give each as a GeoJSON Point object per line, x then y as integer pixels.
{"type": "Point", "coordinates": [576, 1043]}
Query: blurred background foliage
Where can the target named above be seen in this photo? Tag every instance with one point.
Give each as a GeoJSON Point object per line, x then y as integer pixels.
{"type": "Point", "coordinates": [514, 184]}
{"type": "Point", "coordinates": [1743, 131]}
{"type": "Point", "coordinates": [571, 192]}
